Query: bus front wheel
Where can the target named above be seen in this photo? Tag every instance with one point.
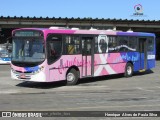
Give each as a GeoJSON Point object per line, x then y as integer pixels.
{"type": "Point", "coordinates": [72, 77]}
{"type": "Point", "coordinates": [128, 70]}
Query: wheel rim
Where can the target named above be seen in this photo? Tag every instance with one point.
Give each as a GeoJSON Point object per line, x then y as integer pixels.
{"type": "Point", "coordinates": [129, 70]}
{"type": "Point", "coordinates": [70, 77]}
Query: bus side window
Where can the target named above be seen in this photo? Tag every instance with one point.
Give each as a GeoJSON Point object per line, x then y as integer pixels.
{"type": "Point", "coordinates": [133, 43]}
{"type": "Point", "coordinates": [52, 51]}
{"type": "Point", "coordinates": [123, 44]}
{"type": "Point", "coordinates": [54, 48]}
{"type": "Point", "coordinates": [71, 49]}
{"type": "Point", "coordinates": [150, 47]}
{"type": "Point", "coordinates": [72, 45]}
{"type": "Point", "coordinates": [112, 44]}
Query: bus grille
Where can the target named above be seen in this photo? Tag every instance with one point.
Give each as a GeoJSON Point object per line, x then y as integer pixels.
{"type": "Point", "coordinates": [23, 75]}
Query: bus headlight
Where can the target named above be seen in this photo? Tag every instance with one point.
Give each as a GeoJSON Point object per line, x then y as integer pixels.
{"type": "Point", "coordinates": [39, 70]}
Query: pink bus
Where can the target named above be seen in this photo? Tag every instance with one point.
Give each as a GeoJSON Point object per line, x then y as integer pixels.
{"type": "Point", "coordinates": [55, 54]}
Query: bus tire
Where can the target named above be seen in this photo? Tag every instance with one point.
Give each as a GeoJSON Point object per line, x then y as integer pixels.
{"type": "Point", "coordinates": [128, 70]}
{"type": "Point", "coordinates": [72, 77]}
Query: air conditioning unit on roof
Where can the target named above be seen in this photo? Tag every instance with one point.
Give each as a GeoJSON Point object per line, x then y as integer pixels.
{"type": "Point", "coordinates": [58, 28]}
{"type": "Point", "coordinates": [74, 28]}
{"type": "Point", "coordinates": [92, 28]}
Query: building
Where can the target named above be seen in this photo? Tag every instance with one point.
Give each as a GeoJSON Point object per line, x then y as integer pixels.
{"type": "Point", "coordinates": [7, 24]}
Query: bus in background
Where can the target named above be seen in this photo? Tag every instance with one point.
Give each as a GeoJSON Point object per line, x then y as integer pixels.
{"type": "Point", "coordinates": [55, 54]}
{"type": "Point", "coordinates": [5, 53]}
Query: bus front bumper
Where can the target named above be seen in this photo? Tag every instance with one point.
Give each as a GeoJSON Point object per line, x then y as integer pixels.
{"type": "Point", "coordinates": [36, 77]}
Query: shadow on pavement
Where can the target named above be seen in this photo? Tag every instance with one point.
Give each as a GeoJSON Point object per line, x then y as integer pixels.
{"type": "Point", "coordinates": [143, 73]}
{"type": "Point", "coordinates": [112, 77]}
{"type": "Point", "coordinates": [41, 85]}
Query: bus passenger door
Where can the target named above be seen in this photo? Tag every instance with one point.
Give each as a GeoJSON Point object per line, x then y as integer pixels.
{"type": "Point", "coordinates": [87, 56]}
{"type": "Point", "coordinates": [143, 53]}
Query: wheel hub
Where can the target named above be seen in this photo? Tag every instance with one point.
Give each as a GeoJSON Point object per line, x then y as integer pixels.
{"type": "Point", "coordinates": [129, 70]}
{"type": "Point", "coordinates": [70, 77]}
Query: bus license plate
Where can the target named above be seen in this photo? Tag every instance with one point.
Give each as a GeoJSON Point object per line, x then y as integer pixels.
{"type": "Point", "coordinates": [22, 76]}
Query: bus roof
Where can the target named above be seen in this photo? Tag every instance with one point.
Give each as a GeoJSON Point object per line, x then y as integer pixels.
{"type": "Point", "coordinates": [62, 30]}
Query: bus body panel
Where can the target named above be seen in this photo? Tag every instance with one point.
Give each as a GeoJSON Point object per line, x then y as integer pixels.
{"type": "Point", "coordinates": [151, 64]}
{"type": "Point", "coordinates": [58, 70]}
{"type": "Point", "coordinates": [106, 64]}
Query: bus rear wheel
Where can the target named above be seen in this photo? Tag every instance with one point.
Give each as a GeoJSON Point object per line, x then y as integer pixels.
{"type": "Point", "coordinates": [128, 70]}
{"type": "Point", "coordinates": [72, 77]}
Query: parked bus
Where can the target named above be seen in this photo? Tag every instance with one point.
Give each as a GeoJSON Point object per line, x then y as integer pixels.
{"type": "Point", "coordinates": [55, 54]}
{"type": "Point", "coordinates": [5, 53]}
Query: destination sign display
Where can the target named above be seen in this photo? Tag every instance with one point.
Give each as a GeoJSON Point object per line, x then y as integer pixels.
{"type": "Point", "coordinates": [27, 33]}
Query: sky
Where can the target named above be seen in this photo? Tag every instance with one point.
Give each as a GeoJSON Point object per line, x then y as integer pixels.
{"type": "Point", "coordinates": [118, 9]}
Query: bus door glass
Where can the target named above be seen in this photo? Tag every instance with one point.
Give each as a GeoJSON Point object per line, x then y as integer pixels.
{"type": "Point", "coordinates": [87, 56]}
{"type": "Point", "coordinates": [143, 52]}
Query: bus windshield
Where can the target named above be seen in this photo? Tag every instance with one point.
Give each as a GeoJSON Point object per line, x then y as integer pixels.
{"type": "Point", "coordinates": [28, 50]}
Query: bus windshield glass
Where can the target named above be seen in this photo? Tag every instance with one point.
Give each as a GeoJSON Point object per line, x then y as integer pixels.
{"type": "Point", "coordinates": [28, 50]}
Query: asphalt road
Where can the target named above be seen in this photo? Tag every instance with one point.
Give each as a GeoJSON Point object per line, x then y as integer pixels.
{"type": "Point", "coordinates": [110, 93]}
